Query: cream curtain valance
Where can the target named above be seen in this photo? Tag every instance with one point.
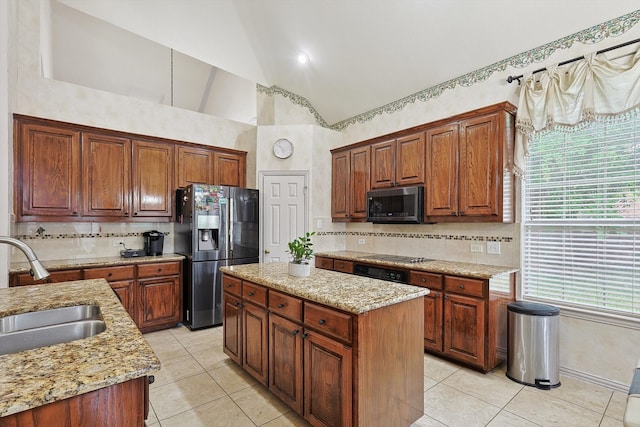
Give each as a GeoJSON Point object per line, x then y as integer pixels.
{"type": "Point", "coordinates": [571, 95]}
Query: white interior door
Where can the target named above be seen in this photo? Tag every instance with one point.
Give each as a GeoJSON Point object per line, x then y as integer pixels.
{"type": "Point", "coordinates": [283, 214]}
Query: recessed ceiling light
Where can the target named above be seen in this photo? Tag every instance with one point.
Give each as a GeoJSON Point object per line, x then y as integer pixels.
{"type": "Point", "coordinates": [303, 58]}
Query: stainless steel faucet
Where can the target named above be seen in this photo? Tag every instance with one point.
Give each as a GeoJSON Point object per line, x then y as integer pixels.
{"type": "Point", "coordinates": [37, 269]}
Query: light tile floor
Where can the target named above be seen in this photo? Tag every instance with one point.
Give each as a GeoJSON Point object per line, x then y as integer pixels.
{"type": "Point", "coordinates": [198, 385]}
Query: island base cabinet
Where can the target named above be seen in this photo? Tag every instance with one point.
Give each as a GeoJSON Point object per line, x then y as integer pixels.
{"type": "Point", "coordinates": [120, 405]}
{"type": "Point", "coordinates": [285, 361]}
{"type": "Point", "coordinates": [232, 330]}
{"type": "Point", "coordinates": [255, 349]}
{"type": "Point", "coordinates": [327, 381]}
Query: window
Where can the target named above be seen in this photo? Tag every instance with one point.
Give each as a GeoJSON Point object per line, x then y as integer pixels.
{"type": "Point", "coordinates": [581, 217]}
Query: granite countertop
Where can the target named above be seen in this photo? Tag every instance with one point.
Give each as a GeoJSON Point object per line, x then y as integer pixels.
{"type": "Point", "coordinates": [353, 294]}
{"type": "Point", "coordinates": [33, 378]}
{"type": "Point", "coordinates": [478, 271]}
{"type": "Point", "coordinates": [63, 264]}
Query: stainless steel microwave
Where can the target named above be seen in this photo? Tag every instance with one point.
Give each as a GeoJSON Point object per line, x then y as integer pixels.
{"type": "Point", "coordinates": [400, 205]}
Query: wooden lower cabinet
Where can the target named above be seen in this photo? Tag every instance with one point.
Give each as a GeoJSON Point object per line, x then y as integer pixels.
{"type": "Point", "coordinates": [120, 405]}
{"type": "Point", "coordinates": [232, 331]}
{"type": "Point", "coordinates": [464, 334]}
{"type": "Point", "coordinates": [463, 321]}
{"type": "Point", "coordinates": [255, 348]}
{"type": "Point", "coordinates": [150, 292]}
{"type": "Point", "coordinates": [285, 361]}
{"type": "Point", "coordinates": [327, 381]}
{"type": "Point", "coordinates": [328, 365]}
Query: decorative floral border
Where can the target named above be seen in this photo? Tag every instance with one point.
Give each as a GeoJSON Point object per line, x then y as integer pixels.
{"type": "Point", "coordinates": [592, 35]}
{"type": "Point", "coordinates": [416, 236]}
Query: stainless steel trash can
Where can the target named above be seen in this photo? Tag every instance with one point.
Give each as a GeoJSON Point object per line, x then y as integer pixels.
{"type": "Point", "coordinates": [533, 344]}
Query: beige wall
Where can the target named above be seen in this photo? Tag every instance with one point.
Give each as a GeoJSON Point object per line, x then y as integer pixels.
{"type": "Point", "coordinates": [592, 348]}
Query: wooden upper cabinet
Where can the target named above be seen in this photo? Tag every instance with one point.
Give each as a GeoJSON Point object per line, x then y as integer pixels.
{"type": "Point", "coordinates": [106, 171]}
{"type": "Point", "coordinates": [360, 182]}
{"type": "Point", "coordinates": [229, 169]}
{"type": "Point", "coordinates": [340, 184]}
{"type": "Point", "coordinates": [398, 162]}
{"type": "Point", "coordinates": [383, 164]}
{"type": "Point", "coordinates": [441, 192]}
{"type": "Point", "coordinates": [350, 181]}
{"type": "Point", "coordinates": [193, 166]}
{"type": "Point", "coordinates": [152, 179]}
{"type": "Point", "coordinates": [480, 166]}
{"type": "Point", "coordinates": [410, 155]}
{"type": "Point", "coordinates": [47, 171]}
{"type": "Point", "coordinates": [71, 172]}
{"type": "Point", "coordinates": [469, 178]}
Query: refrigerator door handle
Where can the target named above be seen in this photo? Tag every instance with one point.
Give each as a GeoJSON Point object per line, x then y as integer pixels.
{"type": "Point", "coordinates": [230, 218]}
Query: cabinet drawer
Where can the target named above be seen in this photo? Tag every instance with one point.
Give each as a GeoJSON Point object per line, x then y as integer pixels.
{"type": "Point", "coordinates": [158, 269]}
{"type": "Point", "coordinates": [343, 266]}
{"type": "Point", "coordinates": [111, 274]}
{"type": "Point", "coordinates": [54, 277]}
{"type": "Point", "coordinates": [326, 263]}
{"type": "Point", "coordinates": [232, 285]}
{"type": "Point", "coordinates": [285, 305]}
{"type": "Point", "coordinates": [254, 293]}
{"type": "Point", "coordinates": [328, 321]}
{"type": "Point", "coordinates": [465, 286]}
{"type": "Point", "coordinates": [425, 280]}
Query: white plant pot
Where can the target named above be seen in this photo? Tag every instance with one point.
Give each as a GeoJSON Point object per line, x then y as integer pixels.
{"type": "Point", "coordinates": [299, 270]}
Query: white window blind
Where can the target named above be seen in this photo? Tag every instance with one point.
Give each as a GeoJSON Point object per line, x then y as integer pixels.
{"type": "Point", "coordinates": [581, 217]}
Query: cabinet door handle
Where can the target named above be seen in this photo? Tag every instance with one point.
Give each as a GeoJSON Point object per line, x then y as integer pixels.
{"type": "Point", "coordinates": [251, 294]}
{"type": "Point", "coordinates": [423, 280]}
{"type": "Point", "coordinates": [446, 297]}
{"type": "Point", "coordinates": [461, 286]}
{"type": "Point", "coordinates": [159, 270]}
{"type": "Point", "coordinates": [322, 321]}
{"type": "Point", "coordinates": [280, 305]}
{"type": "Point", "coordinates": [295, 332]}
{"type": "Point", "coordinates": [239, 304]}
{"type": "Point", "coordinates": [229, 285]}
{"type": "Point", "coordinates": [110, 274]}
{"type": "Point", "coordinates": [304, 336]}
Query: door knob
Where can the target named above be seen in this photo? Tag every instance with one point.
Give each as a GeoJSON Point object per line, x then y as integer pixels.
{"type": "Point", "coordinates": [267, 251]}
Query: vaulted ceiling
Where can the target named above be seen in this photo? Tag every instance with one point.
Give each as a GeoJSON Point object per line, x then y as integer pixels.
{"type": "Point", "coordinates": [362, 53]}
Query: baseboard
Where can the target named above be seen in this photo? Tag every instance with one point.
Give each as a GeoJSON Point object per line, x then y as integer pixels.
{"type": "Point", "coordinates": [593, 379]}
{"type": "Point", "coordinates": [583, 376]}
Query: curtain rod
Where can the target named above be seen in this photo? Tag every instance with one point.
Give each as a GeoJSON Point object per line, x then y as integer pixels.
{"type": "Point", "coordinates": [510, 79]}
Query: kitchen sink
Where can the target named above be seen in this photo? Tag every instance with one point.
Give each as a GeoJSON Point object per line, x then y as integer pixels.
{"type": "Point", "coordinates": [36, 319]}
{"type": "Point", "coordinates": [27, 331]}
{"type": "Point", "coordinates": [29, 339]}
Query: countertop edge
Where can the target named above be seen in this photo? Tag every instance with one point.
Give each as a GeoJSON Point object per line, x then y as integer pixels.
{"type": "Point", "coordinates": [307, 287]}
{"type": "Point", "coordinates": [64, 264]}
{"type": "Point", "coordinates": [477, 271]}
{"type": "Point", "coordinates": [37, 377]}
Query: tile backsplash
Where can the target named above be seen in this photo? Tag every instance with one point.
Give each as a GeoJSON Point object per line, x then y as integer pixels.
{"type": "Point", "coordinates": [55, 241]}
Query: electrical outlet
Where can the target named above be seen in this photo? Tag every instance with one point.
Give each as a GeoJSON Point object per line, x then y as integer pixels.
{"type": "Point", "coordinates": [476, 248]}
{"type": "Point", "coordinates": [361, 241]}
{"type": "Point", "coordinates": [493, 248]}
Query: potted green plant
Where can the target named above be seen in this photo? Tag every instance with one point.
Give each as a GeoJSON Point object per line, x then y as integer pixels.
{"type": "Point", "coordinates": [301, 251]}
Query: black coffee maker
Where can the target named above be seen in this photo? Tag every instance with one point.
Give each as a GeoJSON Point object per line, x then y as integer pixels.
{"type": "Point", "coordinates": [153, 242]}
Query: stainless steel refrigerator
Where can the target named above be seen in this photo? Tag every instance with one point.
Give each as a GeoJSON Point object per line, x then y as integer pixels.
{"type": "Point", "coordinates": [215, 226]}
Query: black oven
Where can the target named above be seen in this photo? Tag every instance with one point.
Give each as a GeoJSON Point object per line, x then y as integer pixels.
{"type": "Point", "coordinates": [383, 273]}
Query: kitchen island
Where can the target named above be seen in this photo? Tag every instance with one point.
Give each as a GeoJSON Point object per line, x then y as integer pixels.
{"type": "Point", "coordinates": [341, 350]}
{"type": "Point", "coordinates": [97, 381]}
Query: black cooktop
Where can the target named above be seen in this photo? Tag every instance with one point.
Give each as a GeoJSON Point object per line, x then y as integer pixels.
{"type": "Point", "coordinates": [395, 258]}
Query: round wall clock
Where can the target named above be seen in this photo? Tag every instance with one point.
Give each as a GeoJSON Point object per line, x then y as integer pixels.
{"type": "Point", "coordinates": [282, 148]}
